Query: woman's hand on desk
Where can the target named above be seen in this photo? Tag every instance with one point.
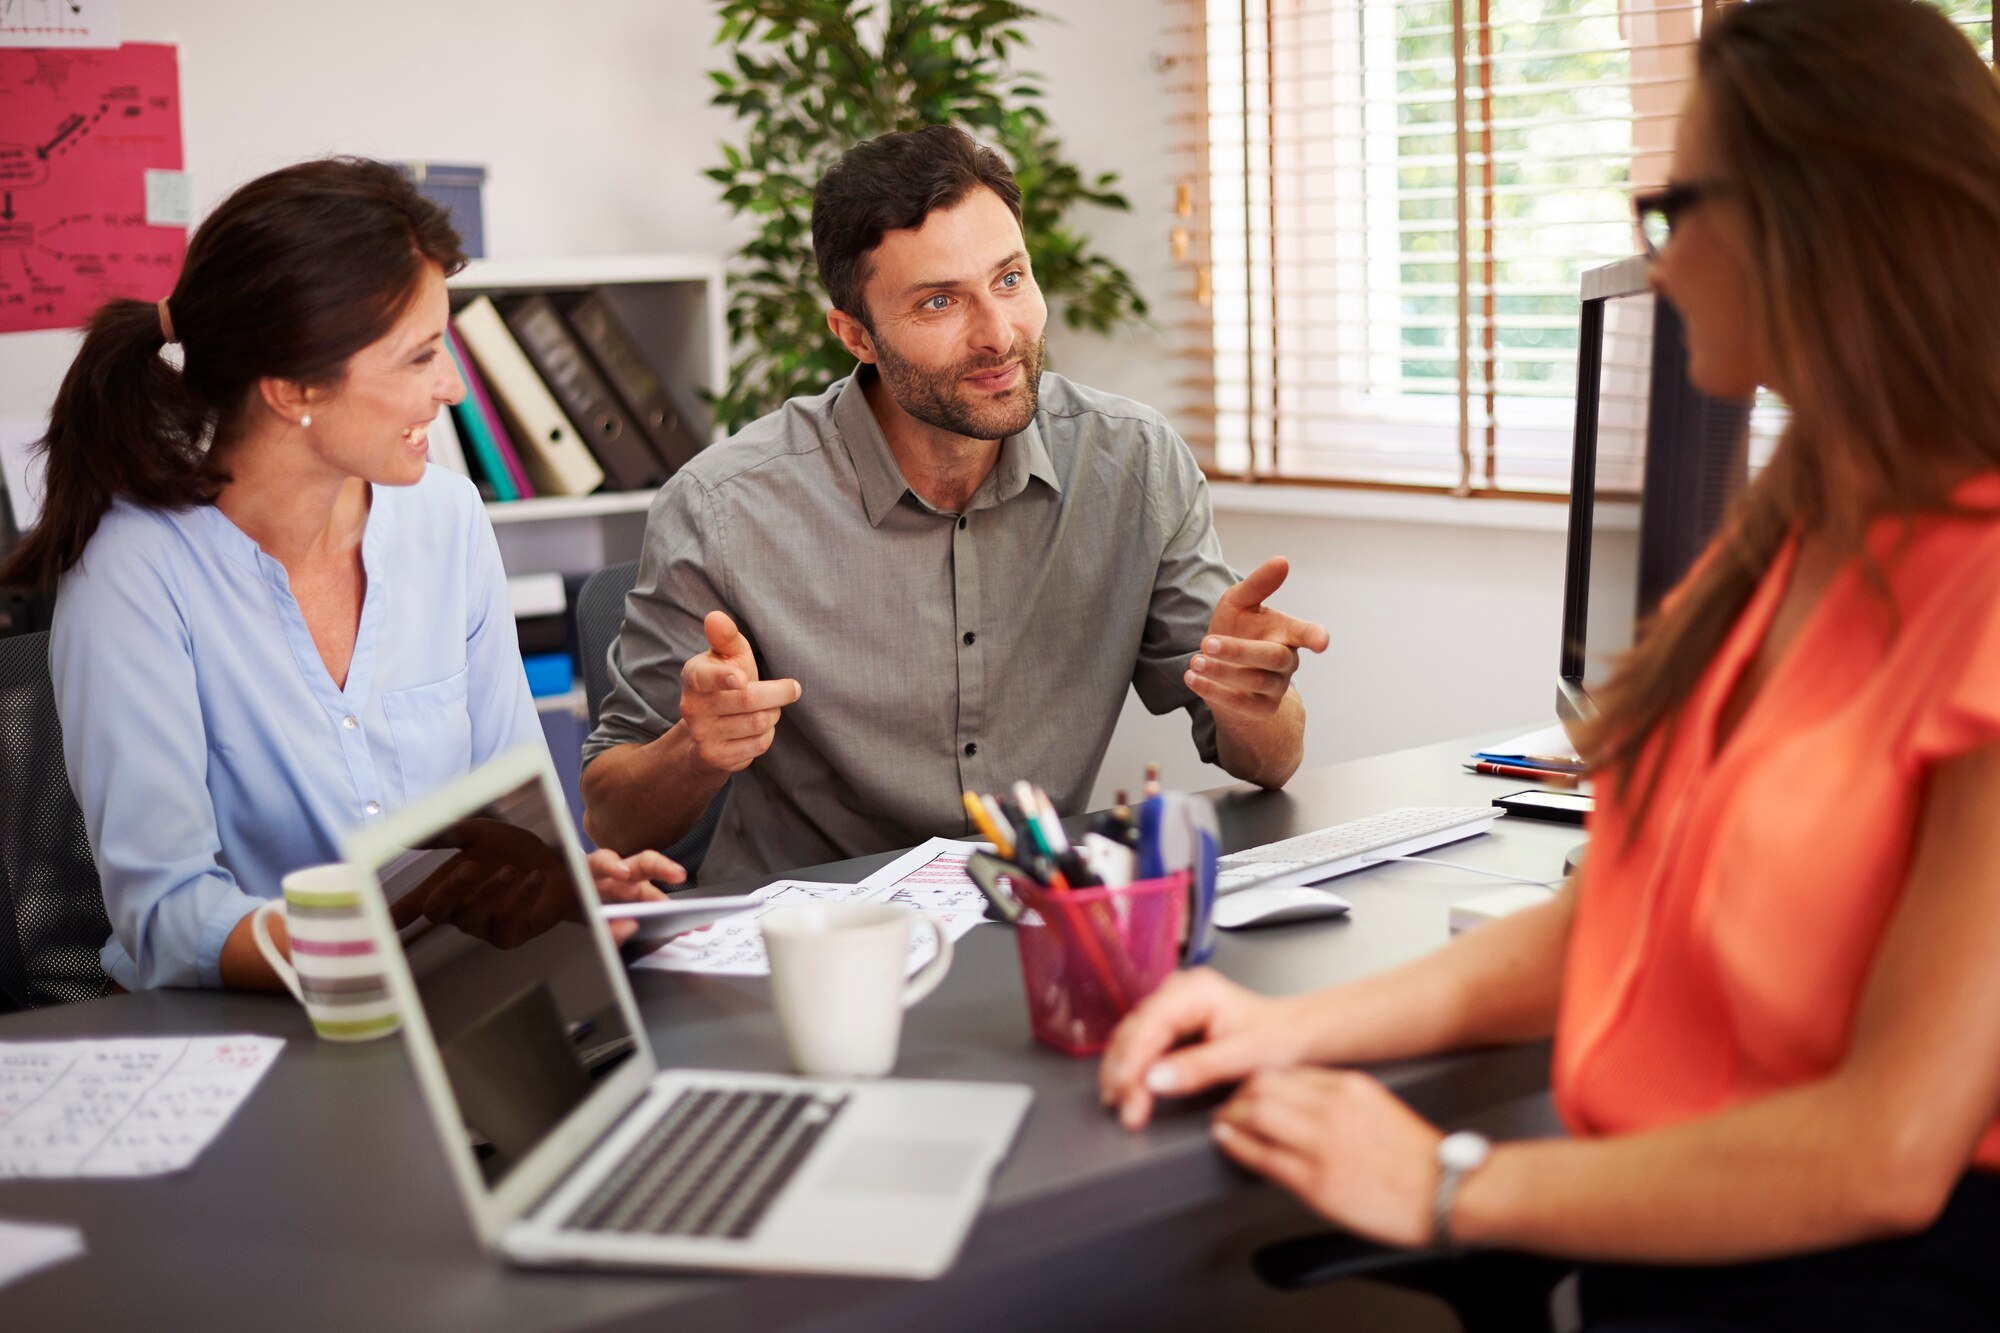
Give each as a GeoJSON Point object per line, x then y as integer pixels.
{"type": "Point", "coordinates": [1340, 1141]}
{"type": "Point", "coordinates": [629, 879]}
{"type": "Point", "coordinates": [1232, 1033]}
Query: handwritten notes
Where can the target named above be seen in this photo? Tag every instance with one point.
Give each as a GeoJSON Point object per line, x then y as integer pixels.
{"type": "Point", "coordinates": [932, 878]}
{"type": "Point", "coordinates": [734, 946]}
{"type": "Point", "coordinates": [140, 1106]}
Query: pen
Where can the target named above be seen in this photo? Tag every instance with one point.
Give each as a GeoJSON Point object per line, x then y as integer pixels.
{"type": "Point", "coordinates": [982, 819]}
{"type": "Point", "coordinates": [1074, 868]}
{"type": "Point", "coordinates": [1544, 775]}
{"type": "Point", "coordinates": [999, 817]}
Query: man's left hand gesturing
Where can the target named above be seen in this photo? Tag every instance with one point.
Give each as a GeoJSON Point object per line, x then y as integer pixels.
{"type": "Point", "coordinates": [1250, 652]}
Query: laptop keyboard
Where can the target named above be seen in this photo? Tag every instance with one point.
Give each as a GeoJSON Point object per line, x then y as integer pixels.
{"type": "Point", "coordinates": [711, 1165]}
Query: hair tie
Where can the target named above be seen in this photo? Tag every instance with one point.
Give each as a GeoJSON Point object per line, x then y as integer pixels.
{"type": "Point", "coordinates": [166, 322]}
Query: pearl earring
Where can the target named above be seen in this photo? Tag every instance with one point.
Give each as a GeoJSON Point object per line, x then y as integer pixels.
{"type": "Point", "coordinates": [306, 420]}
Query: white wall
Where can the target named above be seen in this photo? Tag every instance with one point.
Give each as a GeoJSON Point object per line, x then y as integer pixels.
{"type": "Point", "coordinates": [592, 119]}
{"type": "Point", "coordinates": [1438, 631]}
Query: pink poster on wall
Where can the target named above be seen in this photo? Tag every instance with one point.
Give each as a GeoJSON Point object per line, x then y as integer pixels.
{"type": "Point", "coordinates": [93, 199]}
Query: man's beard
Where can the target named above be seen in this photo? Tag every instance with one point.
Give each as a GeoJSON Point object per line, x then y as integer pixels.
{"type": "Point", "coordinates": [942, 400]}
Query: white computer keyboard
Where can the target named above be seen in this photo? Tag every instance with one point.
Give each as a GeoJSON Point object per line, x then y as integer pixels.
{"type": "Point", "coordinates": [1355, 845]}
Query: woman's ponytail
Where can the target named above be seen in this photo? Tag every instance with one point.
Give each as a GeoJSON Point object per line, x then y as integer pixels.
{"type": "Point", "coordinates": [124, 423]}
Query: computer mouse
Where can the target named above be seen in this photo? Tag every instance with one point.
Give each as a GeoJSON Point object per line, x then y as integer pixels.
{"type": "Point", "coordinates": [1276, 906]}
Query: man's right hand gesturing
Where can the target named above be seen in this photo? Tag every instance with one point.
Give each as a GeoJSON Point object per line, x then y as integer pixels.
{"type": "Point", "coordinates": [730, 715]}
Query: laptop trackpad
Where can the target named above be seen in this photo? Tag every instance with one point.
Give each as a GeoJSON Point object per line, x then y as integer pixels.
{"type": "Point", "coordinates": [899, 1166]}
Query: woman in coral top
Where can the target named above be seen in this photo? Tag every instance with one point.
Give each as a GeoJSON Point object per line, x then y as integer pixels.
{"type": "Point", "coordinates": [1775, 987]}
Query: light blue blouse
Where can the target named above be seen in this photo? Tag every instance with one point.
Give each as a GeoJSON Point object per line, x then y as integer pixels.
{"type": "Point", "coordinates": [209, 748]}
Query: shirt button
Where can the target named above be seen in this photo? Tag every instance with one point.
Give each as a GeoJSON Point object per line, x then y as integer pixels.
{"type": "Point", "coordinates": [961, 523]}
{"type": "Point", "coordinates": [971, 748]}
{"type": "Point", "coordinates": [372, 808]}
{"type": "Point", "coordinates": [350, 722]}
{"type": "Point", "coordinates": [970, 637]}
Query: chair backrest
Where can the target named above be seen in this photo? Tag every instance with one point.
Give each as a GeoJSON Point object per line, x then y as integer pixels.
{"type": "Point", "coordinates": [52, 920]}
{"type": "Point", "coordinates": [600, 614]}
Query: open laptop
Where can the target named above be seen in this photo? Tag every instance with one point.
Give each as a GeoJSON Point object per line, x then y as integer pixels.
{"type": "Point", "coordinates": [568, 1143]}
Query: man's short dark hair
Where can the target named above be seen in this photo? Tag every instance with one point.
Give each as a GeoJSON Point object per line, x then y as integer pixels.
{"type": "Point", "coordinates": [891, 183]}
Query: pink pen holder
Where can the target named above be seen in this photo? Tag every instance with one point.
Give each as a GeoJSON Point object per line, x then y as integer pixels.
{"type": "Point", "coordinates": [1088, 956]}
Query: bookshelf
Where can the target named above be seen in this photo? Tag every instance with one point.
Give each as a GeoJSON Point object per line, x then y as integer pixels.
{"type": "Point", "coordinates": [674, 306]}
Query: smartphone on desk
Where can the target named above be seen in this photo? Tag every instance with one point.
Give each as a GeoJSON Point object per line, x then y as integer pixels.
{"type": "Point", "coordinates": [1560, 807]}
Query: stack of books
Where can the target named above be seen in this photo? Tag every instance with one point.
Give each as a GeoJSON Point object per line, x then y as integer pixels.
{"type": "Point", "coordinates": [559, 400]}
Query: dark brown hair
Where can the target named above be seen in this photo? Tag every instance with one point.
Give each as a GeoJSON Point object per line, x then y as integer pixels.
{"type": "Point", "coordinates": [1861, 140]}
{"type": "Point", "coordinates": [890, 183]}
{"type": "Point", "coordinates": [287, 279]}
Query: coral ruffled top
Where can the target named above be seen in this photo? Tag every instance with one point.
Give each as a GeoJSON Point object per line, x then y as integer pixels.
{"type": "Point", "coordinates": [1721, 956]}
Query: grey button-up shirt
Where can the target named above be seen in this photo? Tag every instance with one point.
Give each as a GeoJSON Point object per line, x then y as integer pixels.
{"type": "Point", "coordinates": [936, 652]}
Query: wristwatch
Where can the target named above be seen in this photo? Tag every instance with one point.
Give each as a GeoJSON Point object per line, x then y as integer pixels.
{"type": "Point", "coordinates": [1459, 1155]}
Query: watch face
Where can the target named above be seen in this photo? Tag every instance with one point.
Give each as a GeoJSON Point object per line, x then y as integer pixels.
{"type": "Point", "coordinates": [1463, 1151]}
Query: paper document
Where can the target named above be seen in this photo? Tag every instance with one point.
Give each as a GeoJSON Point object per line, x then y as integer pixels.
{"type": "Point", "coordinates": [932, 878]}
{"type": "Point", "coordinates": [734, 946]}
{"type": "Point", "coordinates": [28, 1247]}
{"type": "Point", "coordinates": [1550, 741]}
{"type": "Point", "coordinates": [140, 1106]}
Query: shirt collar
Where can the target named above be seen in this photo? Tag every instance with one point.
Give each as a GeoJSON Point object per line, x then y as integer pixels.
{"type": "Point", "coordinates": [1023, 457]}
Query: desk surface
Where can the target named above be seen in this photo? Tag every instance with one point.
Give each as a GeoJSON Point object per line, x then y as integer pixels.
{"type": "Point", "coordinates": [327, 1199]}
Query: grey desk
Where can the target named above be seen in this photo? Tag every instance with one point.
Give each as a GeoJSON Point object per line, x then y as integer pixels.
{"type": "Point", "coordinates": [326, 1203]}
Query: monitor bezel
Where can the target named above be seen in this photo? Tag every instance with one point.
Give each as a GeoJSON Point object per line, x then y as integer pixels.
{"type": "Point", "coordinates": [493, 1208]}
{"type": "Point", "coordinates": [1627, 277]}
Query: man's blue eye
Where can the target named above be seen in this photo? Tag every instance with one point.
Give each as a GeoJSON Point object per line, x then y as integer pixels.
{"type": "Point", "coordinates": [937, 303]}
{"type": "Point", "coordinates": [1012, 280]}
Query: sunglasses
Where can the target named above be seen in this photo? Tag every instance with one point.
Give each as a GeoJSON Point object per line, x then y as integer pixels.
{"type": "Point", "coordinates": [1658, 211]}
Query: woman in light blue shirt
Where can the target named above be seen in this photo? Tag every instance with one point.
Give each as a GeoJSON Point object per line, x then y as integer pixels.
{"type": "Point", "coordinates": [275, 621]}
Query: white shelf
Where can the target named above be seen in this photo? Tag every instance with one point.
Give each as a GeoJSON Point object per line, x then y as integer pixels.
{"type": "Point", "coordinates": [572, 702]}
{"type": "Point", "coordinates": [543, 508]}
{"type": "Point", "coordinates": [588, 271]}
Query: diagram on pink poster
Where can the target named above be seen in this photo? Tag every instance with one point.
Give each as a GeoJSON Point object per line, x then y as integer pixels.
{"type": "Point", "coordinates": [93, 198]}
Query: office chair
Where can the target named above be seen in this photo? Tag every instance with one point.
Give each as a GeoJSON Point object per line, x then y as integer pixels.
{"type": "Point", "coordinates": [52, 920]}
{"type": "Point", "coordinates": [600, 612]}
{"type": "Point", "coordinates": [1491, 1291]}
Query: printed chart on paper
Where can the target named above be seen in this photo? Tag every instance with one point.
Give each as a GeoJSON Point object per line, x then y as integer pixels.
{"type": "Point", "coordinates": [93, 199]}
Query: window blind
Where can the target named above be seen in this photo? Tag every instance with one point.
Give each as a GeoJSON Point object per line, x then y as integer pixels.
{"type": "Point", "coordinates": [1382, 211]}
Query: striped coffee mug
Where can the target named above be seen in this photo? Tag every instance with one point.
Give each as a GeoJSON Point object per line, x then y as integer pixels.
{"type": "Point", "coordinates": [334, 970]}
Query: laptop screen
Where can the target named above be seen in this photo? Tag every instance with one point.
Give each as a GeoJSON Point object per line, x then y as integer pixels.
{"type": "Point", "coordinates": [510, 978]}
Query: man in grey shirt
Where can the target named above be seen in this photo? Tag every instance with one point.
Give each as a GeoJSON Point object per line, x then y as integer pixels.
{"type": "Point", "coordinates": [939, 575]}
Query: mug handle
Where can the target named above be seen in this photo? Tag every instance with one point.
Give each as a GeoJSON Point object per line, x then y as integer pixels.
{"type": "Point", "coordinates": [260, 932]}
{"type": "Point", "coordinates": [933, 972]}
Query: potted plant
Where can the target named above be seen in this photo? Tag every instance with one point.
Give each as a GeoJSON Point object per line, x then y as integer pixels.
{"type": "Point", "coordinates": [811, 78]}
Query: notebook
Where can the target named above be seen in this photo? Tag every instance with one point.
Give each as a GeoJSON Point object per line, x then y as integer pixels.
{"type": "Point", "coordinates": [568, 1143]}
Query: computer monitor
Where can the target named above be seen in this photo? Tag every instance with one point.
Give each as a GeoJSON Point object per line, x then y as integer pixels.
{"type": "Point", "coordinates": [1644, 434]}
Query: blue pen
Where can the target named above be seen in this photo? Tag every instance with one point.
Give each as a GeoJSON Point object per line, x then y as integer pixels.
{"type": "Point", "coordinates": [1152, 864]}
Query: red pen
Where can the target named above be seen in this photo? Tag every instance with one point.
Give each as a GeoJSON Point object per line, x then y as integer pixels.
{"type": "Point", "coordinates": [1531, 774]}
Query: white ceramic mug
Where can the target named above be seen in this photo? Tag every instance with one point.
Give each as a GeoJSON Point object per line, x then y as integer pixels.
{"type": "Point", "coordinates": [837, 973]}
{"type": "Point", "coordinates": [334, 970]}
